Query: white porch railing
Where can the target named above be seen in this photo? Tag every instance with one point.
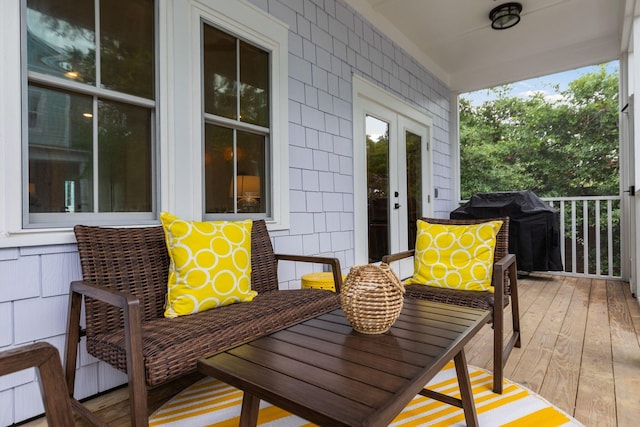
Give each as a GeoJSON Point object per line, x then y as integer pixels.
{"type": "Point", "coordinates": [590, 235]}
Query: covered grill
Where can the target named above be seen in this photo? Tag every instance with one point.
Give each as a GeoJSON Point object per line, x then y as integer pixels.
{"type": "Point", "coordinates": [534, 235]}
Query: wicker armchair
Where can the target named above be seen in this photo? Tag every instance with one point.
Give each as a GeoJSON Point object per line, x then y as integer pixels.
{"type": "Point", "coordinates": [124, 288]}
{"type": "Point", "coordinates": [45, 358]}
{"type": "Point", "coordinates": [505, 283]}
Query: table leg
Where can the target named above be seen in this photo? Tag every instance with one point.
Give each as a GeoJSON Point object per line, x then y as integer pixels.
{"type": "Point", "coordinates": [249, 411]}
{"type": "Point", "coordinates": [466, 395]}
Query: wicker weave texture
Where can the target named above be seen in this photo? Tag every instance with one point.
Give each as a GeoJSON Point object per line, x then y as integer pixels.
{"type": "Point", "coordinates": [171, 347]}
{"type": "Point", "coordinates": [371, 298]}
{"type": "Point", "coordinates": [135, 260]}
{"type": "Point", "coordinates": [471, 299]}
{"type": "Point", "coordinates": [132, 260]}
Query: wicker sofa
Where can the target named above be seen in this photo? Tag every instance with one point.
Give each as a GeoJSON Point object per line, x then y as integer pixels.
{"type": "Point", "coordinates": [124, 285]}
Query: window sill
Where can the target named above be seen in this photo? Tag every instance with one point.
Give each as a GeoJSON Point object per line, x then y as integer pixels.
{"type": "Point", "coordinates": [36, 238]}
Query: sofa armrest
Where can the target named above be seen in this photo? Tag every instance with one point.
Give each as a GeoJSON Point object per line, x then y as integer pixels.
{"type": "Point", "coordinates": [109, 296]}
{"type": "Point", "coordinates": [44, 357]}
{"type": "Point", "coordinates": [387, 259]}
{"type": "Point", "coordinates": [333, 262]}
{"type": "Point", "coordinates": [132, 331]}
{"type": "Point", "coordinates": [505, 264]}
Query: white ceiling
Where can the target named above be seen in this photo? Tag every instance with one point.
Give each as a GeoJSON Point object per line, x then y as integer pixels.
{"type": "Point", "coordinates": [454, 39]}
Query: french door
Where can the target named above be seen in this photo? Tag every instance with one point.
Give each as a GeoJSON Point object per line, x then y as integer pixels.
{"type": "Point", "coordinates": [392, 170]}
{"type": "Point", "coordinates": [631, 201]}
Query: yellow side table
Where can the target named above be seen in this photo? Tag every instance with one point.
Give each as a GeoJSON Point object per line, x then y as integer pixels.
{"type": "Point", "coordinates": [319, 280]}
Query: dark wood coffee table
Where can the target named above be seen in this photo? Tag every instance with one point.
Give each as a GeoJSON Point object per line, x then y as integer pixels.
{"type": "Point", "coordinates": [324, 371]}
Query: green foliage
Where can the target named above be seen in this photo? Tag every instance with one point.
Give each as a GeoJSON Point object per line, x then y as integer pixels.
{"type": "Point", "coordinates": [555, 148]}
{"type": "Point", "coordinates": [378, 167]}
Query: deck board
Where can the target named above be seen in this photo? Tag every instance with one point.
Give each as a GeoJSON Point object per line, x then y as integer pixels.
{"type": "Point", "coordinates": [560, 383]}
{"type": "Point", "coordinates": [534, 362]}
{"type": "Point", "coordinates": [596, 391]}
{"type": "Point", "coordinates": [625, 349]}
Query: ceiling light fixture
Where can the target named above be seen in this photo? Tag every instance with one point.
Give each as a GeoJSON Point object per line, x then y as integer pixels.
{"type": "Point", "coordinates": [505, 16]}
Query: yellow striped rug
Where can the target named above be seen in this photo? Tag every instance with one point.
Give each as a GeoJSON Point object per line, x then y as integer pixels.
{"type": "Point", "coordinates": [212, 403]}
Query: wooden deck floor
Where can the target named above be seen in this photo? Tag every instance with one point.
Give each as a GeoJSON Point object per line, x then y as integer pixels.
{"type": "Point", "coordinates": [580, 350]}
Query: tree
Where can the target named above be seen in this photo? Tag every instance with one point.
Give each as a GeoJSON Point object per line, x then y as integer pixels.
{"type": "Point", "coordinates": [554, 148]}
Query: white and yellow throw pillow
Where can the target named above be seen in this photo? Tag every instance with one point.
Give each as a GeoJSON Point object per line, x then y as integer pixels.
{"type": "Point", "coordinates": [210, 264]}
{"type": "Point", "coordinates": [455, 256]}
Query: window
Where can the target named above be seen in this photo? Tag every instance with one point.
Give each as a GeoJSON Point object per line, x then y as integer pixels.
{"type": "Point", "coordinates": [241, 75]}
{"type": "Point", "coordinates": [236, 81]}
{"type": "Point", "coordinates": [89, 111]}
{"type": "Point", "coordinates": [120, 116]}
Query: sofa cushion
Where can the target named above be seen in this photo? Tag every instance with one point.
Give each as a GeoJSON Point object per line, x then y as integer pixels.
{"type": "Point", "coordinates": [455, 256]}
{"type": "Point", "coordinates": [171, 347]}
{"type": "Point", "coordinates": [210, 264]}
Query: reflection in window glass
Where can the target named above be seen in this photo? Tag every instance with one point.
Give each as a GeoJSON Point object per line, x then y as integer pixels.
{"type": "Point", "coordinates": [124, 158]}
{"type": "Point", "coordinates": [61, 39]}
{"type": "Point", "coordinates": [250, 180]}
{"type": "Point", "coordinates": [220, 90]}
{"type": "Point", "coordinates": [126, 46]}
{"type": "Point", "coordinates": [414, 184]}
{"type": "Point", "coordinates": [60, 151]}
{"type": "Point", "coordinates": [246, 192]}
{"type": "Point", "coordinates": [236, 171]}
{"type": "Point", "coordinates": [378, 187]}
{"type": "Point", "coordinates": [254, 85]}
{"type": "Point", "coordinates": [219, 160]}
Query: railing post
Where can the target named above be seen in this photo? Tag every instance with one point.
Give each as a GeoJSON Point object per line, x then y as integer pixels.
{"type": "Point", "coordinates": [563, 249]}
{"type": "Point", "coordinates": [597, 228]}
{"type": "Point", "coordinates": [585, 237]}
{"type": "Point", "coordinates": [574, 243]}
{"type": "Point", "coordinates": [610, 237]}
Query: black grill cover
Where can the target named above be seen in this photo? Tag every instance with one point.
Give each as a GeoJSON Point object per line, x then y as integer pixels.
{"type": "Point", "coordinates": [534, 235]}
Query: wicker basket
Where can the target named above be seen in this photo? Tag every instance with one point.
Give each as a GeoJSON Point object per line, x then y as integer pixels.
{"type": "Point", "coordinates": [371, 298]}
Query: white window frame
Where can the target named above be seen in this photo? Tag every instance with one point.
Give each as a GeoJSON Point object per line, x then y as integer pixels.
{"type": "Point", "coordinates": [178, 106]}
{"type": "Point", "coordinates": [250, 23]}
{"type": "Point", "coordinates": [237, 125]}
{"type": "Point", "coordinates": [50, 221]}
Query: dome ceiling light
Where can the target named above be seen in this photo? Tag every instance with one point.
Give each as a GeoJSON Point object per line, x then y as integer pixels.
{"type": "Point", "coordinates": [505, 16]}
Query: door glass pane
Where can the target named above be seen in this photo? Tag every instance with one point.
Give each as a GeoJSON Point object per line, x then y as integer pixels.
{"type": "Point", "coordinates": [126, 46]}
{"type": "Point", "coordinates": [414, 184]}
{"type": "Point", "coordinates": [124, 158]}
{"type": "Point", "coordinates": [61, 39]}
{"type": "Point", "coordinates": [219, 57]}
{"type": "Point", "coordinates": [377, 187]}
{"type": "Point", "coordinates": [60, 151]}
{"type": "Point", "coordinates": [254, 85]}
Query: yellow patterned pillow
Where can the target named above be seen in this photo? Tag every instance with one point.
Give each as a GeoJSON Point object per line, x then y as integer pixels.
{"type": "Point", "coordinates": [455, 256]}
{"type": "Point", "coordinates": [210, 264]}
